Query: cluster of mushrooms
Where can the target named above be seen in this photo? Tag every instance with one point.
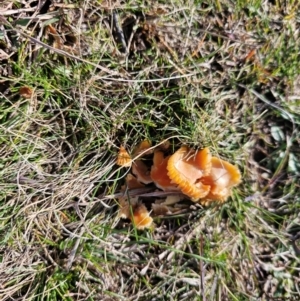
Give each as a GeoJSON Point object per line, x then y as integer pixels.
{"type": "Point", "coordinates": [187, 173]}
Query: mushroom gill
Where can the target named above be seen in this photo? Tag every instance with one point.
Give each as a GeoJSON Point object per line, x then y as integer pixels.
{"type": "Point", "coordinates": [185, 168]}
{"type": "Point", "coordinates": [222, 178]}
{"type": "Point", "coordinates": [123, 158]}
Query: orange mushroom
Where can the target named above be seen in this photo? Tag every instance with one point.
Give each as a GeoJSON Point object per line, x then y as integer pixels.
{"type": "Point", "coordinates": [141, 218]}
{"type": "Point", "coordinates": [196, 174]}
{"type": "Point", "coordinates": [136, 212]}
{"type": "Point", "coordinates": [143, 147]}
{"type": "Point", "coordinates": [123, 158]}
{"type": "Point", "coordinates": [222, 178]}
{"type": "Point", "coordinates": [159, 172]}
{"type": "Point", "coordinates": [185, 168]}
{"type": "Point", "coordinates": [203, 160]}
{"type": "Point", "coordinates": [139, 168]}
{"type": "Point", "coordinates": [141, 171]}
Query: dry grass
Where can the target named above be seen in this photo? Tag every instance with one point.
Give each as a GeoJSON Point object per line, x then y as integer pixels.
{"type": "Point", "coordinates": [203, 73]}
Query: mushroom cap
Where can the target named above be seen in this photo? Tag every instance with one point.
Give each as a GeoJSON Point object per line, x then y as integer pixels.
{"type": "Point", "coordinates": [140, 217]}
{"type": "Point", "coordinates": [123, 158]}
{"type": "Point", "coordinates": [159, 172]}
{"type": "Point", "coordinates": [222, 178]}
{"type": "Point", "coordinates": [136, 212]}
{"type": "Point", "coordinates": [203, 160]}
{"type": "Point", "coordinates": [219, 196]}
{"type": "Point", "coordinates": [185, 167]}
{"type": "Point", "coordinates": [141, 171]}
{"type": "Point", "coordinates": [143, 147]}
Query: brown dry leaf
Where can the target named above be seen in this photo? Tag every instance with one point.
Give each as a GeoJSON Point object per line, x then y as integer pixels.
{"type": "Point", "coordinates": [57, 39]}
{"type": "Point", "coordinates": [160, 209]}
{"type": "Point", "coordinates": [3, 55]}
{"type": "Point", "coordinates": [63, 217]}
{"type": "Point", "coordinates": [168, 206]}
{"type": "Point", "coordinates": [26, 92]}
{"type": "Point", "coordinates": [164, 145]}
{"type": "Point", "coordinates": [250, 56]}
{"type": "Point", "coordinates": [132, 183]}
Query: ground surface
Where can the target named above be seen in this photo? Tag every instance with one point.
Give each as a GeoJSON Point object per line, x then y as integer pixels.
{"type": "Point", "coordinates": [80, 78]}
